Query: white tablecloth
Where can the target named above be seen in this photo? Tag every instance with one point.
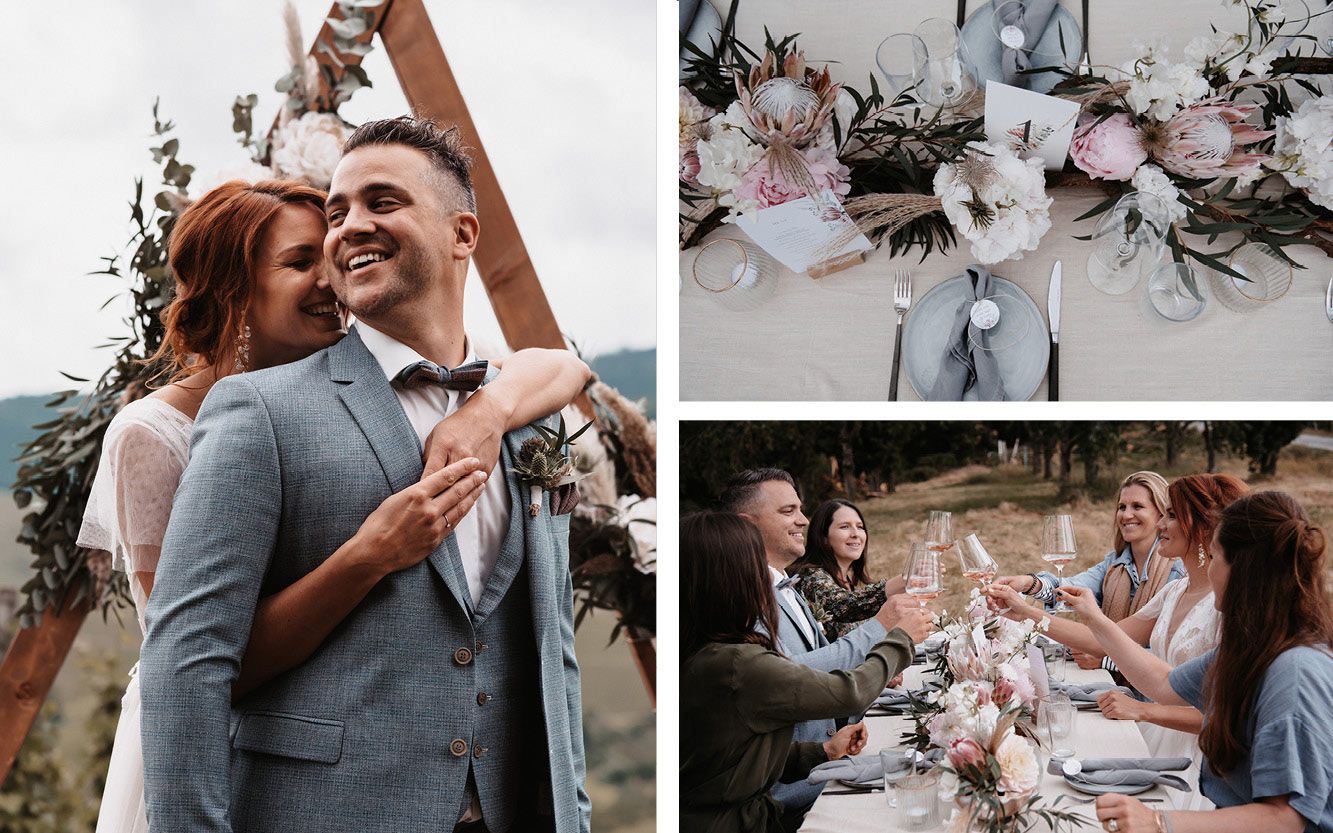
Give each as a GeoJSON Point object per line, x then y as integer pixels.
{"type": "Point", "coordinates": [1094, 736]}
{"type": "Point", "coordinates": [833, 338]}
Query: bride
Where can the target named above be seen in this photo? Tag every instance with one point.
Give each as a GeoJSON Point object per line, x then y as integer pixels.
{"type": "Point", "coordinates": [1178, 624]}
{"type": "Point", "coordinates": [253, 293]}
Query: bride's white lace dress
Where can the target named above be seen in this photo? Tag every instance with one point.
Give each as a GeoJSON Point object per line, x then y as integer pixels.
{"type": "Point", "coordinates": [1197, 634]}
{"type": "Point", "coordinates": [143, 454]}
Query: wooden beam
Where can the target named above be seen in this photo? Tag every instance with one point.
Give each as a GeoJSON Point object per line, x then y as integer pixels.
{"type": "Point", "coordinates": [502, 260]}
{"type": "Point", "coordinates": [29, 668]}
{"type": "Point", "coordinates": [643, 647]}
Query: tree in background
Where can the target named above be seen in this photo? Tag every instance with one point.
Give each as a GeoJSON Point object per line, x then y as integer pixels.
{"type": "Point", "coordinates": [1173, 432]}
{"type": "Point", "coordinates": [1097, 443]}
{"type": "Point", "coordinates": [1261, 442]}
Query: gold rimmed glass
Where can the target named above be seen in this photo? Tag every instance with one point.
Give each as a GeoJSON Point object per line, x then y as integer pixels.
{"type": "Point", "coordinates": [739, 274]}
{"type": "Point", "coordinates": [1269, 279]}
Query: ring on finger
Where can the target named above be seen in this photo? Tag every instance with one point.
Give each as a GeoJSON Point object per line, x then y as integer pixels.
{"type": "Point", "coordinates": [1112, 825]}
{"type": "Point", "coordinates": [449, 525]}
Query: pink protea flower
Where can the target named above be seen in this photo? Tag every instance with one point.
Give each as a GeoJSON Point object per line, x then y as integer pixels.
{"type": "Point", "coordinates": [966, 752]}
{"type": "Point", "coordinates": [1207, 140]}
{"type": "Point", "coordinates": [1110, 150]}
{"type": "Point", "coordinates": [689, 167]}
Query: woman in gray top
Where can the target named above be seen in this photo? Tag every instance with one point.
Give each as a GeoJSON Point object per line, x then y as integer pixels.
{"type": "Point", "coordinates": [1266, 691]}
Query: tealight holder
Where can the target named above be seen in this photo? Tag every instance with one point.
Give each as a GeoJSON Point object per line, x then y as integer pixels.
{"type": "Point", "coordinates": [741, 276]}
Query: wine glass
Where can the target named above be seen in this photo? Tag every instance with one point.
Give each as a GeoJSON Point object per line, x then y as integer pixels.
{"type": "Point", "coordinates": [1128, 243]}
{"type": "Point", "coordinates": [1058, 548]}
{"type": "Point", "coordinates": [947, 82]}
{"type": "Point", "coordinates": [939, 531]}
{"type": "Point", "coordinates": [923, 574]}
{"type": "Point", "coordinates": [977, 564]}
{"type": "Point", "coordinates": [901, 60]}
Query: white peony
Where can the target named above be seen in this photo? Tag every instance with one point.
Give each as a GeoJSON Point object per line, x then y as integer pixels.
{"type": "Point", "coordinates": [308, 148]}
{"type": "Point", "coordinates": [1015, 197]}
{"type": "Point", "coordinates": [1019, 770]}
{"type": "Point", "coordinates": [1159, 88]}
{"type": "Point", "coordinates": [1151, 179]}
{"type": "Point", "coordinates": [1303, 152]}
{"type": "Point", "coordinates": [639, 517]}
{"type": "Point", "coordinates": [249, 172]}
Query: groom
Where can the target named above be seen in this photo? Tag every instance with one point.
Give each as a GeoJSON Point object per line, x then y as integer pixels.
{"type": "Point", "coordinates": [449, 699]}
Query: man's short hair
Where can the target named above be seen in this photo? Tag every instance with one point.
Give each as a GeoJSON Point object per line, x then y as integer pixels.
{"type": "Point", "coordinates": [743, 486]}
{"type": "Point", "coordinates": [443, 147]}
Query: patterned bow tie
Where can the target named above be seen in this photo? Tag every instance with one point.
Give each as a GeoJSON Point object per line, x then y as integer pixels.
{"type": "Point", "coordinates": [789, 581]}
{"type": "Point", "coordinates": [464, 377]}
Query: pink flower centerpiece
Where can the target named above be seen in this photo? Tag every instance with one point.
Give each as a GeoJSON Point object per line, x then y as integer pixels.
{"type": "Point", "coordinates": [1208, 140]}
{"type": "Point", "coordinates": [1112, 149]}
{"type": "Point", "coordinates": [768, 186]}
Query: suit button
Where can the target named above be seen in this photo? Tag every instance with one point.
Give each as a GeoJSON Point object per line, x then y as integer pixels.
{"type": "Point", "coordinates": [482, 698]}
{"type": "Point", "coordinates": [831, 733]}
{"type": "Point", "coordinates": [458, 748]}
{"type": "Point", "coordinates": [480, 645]}
{"type": "Point", "coordinates": [478, 751]}
{"type": "Point", "coordinates": [462, 656]}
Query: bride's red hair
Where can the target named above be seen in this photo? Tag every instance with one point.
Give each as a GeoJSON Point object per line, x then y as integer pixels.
{"type": "Point", "coordinates": [212, 253]}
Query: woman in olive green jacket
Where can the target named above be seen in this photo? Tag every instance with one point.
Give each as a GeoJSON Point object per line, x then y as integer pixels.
{"type": "Point", "coordinates": [740, 697]}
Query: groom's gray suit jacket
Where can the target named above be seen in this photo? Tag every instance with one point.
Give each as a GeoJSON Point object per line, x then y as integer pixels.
{"type": "Point", "coordinates": [378, 729]}
{"type": "Point", "coordinates": [848, 652]}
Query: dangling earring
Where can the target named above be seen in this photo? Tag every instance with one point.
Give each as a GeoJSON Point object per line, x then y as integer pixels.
{"type": "Point", "coordinates": [1203, 556]}
{"type": "Point", "coordinates": [243, 349]}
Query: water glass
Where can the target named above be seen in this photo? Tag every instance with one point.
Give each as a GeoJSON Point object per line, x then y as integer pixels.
{"type": "Point", "coordinates": [1055, 723]}
{"type": "Point", "coordinates": [740, 275]}
{"type": "Point", "coordinates": [1176, 293]}
{"type": "Point", "coordinates": [1128, 243]}
{"type": "Point", "coordinates": [901, 60]}
{"type": "Point", "coordinates": [1057, 659]}
{"type": "Point", "coordinates": [918, 801]}
{"type": "Point", "coordinates": [896, 763]}
{"type": "Point", "coordinates": [1269, 279]}
{"type": "Point", "coordinates": [947, 82]}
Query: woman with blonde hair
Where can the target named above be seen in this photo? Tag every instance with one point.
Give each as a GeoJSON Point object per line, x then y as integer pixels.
{"type": "Point", "coordinates": [1133, 572]}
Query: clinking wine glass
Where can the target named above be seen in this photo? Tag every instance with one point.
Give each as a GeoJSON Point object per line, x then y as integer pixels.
{"type": "Point", "coordinates": [1058, 548]}
{"type": "Point", "coordinates": [977, 564]}
{"type": "Point", "coordinates": [923, 574]}
{"type": "Point", "coordinates": [939, 531]}
{"type": "Point", "coordinates": [1128, 243]}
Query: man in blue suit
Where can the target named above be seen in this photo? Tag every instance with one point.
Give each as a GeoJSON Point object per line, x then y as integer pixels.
{"type": "Point", "coordinates": [448, 700]}
{"type": "Point", "coordinates": [768, 498]}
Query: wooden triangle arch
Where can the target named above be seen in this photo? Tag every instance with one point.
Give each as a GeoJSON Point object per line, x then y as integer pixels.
{"type": "Point", "coordinates": [36, 654]}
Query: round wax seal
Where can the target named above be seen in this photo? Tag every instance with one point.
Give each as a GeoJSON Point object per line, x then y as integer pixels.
{"type": "Point", "coordinates": [1012, 37]}
{"type": "Point", "coordinates": [985, 314]}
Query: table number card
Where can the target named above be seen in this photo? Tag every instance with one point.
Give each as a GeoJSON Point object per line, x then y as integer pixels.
{"type": "Point", "coordinates": [804, 233]}
{"type": "Point", "coordinates": [1030, 123]}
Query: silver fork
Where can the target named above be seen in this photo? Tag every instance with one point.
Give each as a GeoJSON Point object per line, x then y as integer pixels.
{"type": "Point", "coordinates": [902, 301]}
{"type": "Point", "coordinates": [1328, 300]}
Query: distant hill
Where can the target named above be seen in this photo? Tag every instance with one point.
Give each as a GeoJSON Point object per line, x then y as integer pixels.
{"type": "Point", "coordinates": [633, 373]}
{"type": "Point", "coordinates": [17, 416]}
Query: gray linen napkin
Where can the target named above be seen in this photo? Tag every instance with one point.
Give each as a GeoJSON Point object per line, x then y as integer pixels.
{"type": "Point", "coordinates": [1158, 764]}
{"type": "Point", "coordinates": [891, 697]}
{"type": "Point", "coordinates": [864, 768]}
{"type": "Point", "coordinates": [1085, 693]}
{"type": "Point", "coordinates": [962, 366]}
{"type": "Point", "coordinates": [1030, 17]}
{"type": "Point", "coordinates": [1126, 776]}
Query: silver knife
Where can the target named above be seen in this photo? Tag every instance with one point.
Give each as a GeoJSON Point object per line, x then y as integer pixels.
{"type": "Point", "coordinates": [1053, 314]}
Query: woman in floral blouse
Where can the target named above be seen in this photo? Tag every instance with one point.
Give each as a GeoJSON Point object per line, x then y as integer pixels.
{"type": "Point", "coordinates": [833, 576]}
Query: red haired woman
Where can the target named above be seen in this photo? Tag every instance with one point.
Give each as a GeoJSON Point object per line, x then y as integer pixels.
{"type": "Point", "coordinates": [252, 292]}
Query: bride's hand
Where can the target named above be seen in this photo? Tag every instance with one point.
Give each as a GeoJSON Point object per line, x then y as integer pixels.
{"type": "Point", "coordinates": [1000, 596]}
{"type": "Point", "coordinates": [476, 429]}
{"type": "Point", "coordinates": [410, 524]}
{"type": "Point", "coordinates": [849, 740]}
{"type": "Point", "coordinates": [1082, 600]}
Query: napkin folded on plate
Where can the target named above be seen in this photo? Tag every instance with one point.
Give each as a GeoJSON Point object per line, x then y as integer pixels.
{"type": "Point", "coordinates": [1030, 17]}
{"type": "Point", "coordinates": [864, 768]}
{"type": "Point", "coordinates": [964, 364]}
{"type": "Point", "coordinates": [1085, 693]}
{"type": "Point", "coordinates": [1126, 772]}
{"type": "Point", "coordinates": [891, 697]}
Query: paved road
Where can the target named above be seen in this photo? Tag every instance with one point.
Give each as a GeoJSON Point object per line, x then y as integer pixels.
{"type": "Point", "coordinates": [1314, 441]}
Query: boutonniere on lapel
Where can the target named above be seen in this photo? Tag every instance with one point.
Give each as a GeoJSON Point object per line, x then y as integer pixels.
{"type": "Point", "coordinates": [546, 467]}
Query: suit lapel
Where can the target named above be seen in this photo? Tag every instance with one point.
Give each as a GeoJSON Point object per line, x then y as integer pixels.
{"type": "Point", "coordinates": [514, 547]}
{"type": "Point", "coordinates": [796, 623]}
{"type": "Point", "coordinates": [375, 407]}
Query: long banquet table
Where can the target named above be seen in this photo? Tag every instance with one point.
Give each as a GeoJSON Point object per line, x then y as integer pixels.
{"type": "Point", "coordinates": [1094, 736]}
{"type": "Point", "coordinates": [832, 339]}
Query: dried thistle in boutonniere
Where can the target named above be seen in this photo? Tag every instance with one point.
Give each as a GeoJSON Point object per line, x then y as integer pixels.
{"type": "Point", "coordinates": [544, 465]}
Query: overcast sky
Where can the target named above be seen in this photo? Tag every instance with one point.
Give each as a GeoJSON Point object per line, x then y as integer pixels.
{"type": "Point", "coordinates": [561, 93]}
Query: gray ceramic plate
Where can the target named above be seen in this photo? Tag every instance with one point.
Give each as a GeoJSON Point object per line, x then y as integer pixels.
{"type": "Point", "coordinates": [1106, 789]}
{"type": "Point", "coordinates": [926, 331]}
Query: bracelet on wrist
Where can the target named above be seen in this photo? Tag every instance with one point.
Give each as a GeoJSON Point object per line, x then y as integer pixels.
{"type": "Point", "coordinates": [1163, 821]}
{"type": "Point", "coordinates": [1034, 586]}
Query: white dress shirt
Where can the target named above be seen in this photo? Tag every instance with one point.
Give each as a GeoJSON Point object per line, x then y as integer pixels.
{"type": "Point", "coordinates": [802, 621]}
{"type": "Point", "coordinates": [481, 532]}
